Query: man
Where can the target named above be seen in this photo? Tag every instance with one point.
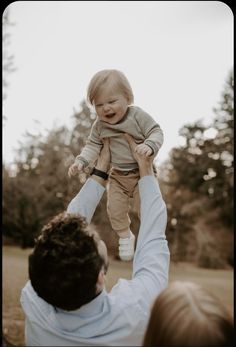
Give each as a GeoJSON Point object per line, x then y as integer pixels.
{"type": "Point", "coordinates": [65, 301]}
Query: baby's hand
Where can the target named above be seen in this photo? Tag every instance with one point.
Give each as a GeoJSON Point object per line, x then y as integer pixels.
{"type": "Point", "coordinates": [143, 149]}
{"type": "Point", "coordinates": [74, 169]}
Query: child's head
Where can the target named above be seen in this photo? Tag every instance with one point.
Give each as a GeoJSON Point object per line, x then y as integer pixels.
{"type": "Point", "coordinates": [110, 93]}
{"type": "Point", "coordinates": [184, 315]}
{"type": "Point", "coordinates": [115, 80]}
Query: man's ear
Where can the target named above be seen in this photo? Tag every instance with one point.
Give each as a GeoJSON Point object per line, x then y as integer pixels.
{"type": "Point", "coordinates": [101, 280]}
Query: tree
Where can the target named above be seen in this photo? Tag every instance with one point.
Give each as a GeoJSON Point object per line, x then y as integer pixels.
{"type": "Point", "coordinates": [198, 184]}
{"type": "Point", "coordinates": [205, 165]}
{"type": "Point", "coordinates": [40, 187]}
{"type": "Point", "coordinates": [224, 141]}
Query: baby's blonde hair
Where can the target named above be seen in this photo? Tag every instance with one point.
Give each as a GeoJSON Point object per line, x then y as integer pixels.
{"type": "Point", "coordinates": [114, 78]}
{"type": "Point", "coordinates": [184, 315]}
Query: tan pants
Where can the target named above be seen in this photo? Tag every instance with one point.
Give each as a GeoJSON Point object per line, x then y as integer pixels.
{"type": "Point", "coordinates": [123, 185]}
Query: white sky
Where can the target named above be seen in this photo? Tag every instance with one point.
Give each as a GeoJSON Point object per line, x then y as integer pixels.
{"type": "Point", "coordinates": [176, 55]}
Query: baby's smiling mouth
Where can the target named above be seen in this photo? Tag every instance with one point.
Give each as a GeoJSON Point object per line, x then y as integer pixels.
{"type": "Point", "coordinates": [110, 115]}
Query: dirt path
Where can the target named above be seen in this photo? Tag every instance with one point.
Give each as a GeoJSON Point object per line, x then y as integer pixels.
{"type": "Point", "coordinates": [15, 269]}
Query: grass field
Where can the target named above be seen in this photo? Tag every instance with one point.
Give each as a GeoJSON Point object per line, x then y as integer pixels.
{"type": "Point", "coordinates": [219, 282]}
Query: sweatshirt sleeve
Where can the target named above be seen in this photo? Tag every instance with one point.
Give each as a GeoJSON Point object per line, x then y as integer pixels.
{"type": "Point", "coordinates": [151, 130]}
{"type": "Point", "coordinates": [91, 150]}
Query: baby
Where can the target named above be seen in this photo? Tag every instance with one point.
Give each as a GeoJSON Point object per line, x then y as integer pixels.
{"type": "Point", "coordinates": [110, 93]}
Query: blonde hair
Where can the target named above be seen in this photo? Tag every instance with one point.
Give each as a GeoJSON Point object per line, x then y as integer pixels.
{"type": "Point", "coordinates": [114, 78]}
{"type": "Point", "coordinates": [185, 314]}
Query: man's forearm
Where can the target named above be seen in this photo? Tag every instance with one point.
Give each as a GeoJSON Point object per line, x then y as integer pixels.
{"type": "Point", "coordinates": [153, 209]}
{"type": "Point", "coordinates": [151, 260]}
{"type": "Point", "coordinates": [146, 169]}
{"type": "Point", "coordinates": [86, 201]}
{"type": "Point", "coordinates": [99, 180]}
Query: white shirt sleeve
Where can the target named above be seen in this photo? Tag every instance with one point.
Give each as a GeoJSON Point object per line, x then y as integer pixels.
{"type": "Point", "coordinates": [151, 260]}
{"type": "Point", "coordinates": [86, 201]}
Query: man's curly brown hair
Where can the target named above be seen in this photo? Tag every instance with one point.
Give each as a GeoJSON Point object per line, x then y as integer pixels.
{"type": "Point", "coordinates": [65, 263]}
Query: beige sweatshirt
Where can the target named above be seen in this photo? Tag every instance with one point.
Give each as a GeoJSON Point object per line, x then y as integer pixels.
{"type": "Point", "coordinates": [137, 123]}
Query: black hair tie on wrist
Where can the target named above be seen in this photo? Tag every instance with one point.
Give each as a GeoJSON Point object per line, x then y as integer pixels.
{"type": "Point", "coordinates": [99, 173]}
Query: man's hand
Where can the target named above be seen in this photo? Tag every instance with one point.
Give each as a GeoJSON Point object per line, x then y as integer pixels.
{"type": "Point", "coordinates": [75, 168]}
{"type": "Point", "coordinates": [145, 163]}
{"type": "Point", "coordinates": [144, 149]}
{"type": "Point", "coordinates": [103, 162]}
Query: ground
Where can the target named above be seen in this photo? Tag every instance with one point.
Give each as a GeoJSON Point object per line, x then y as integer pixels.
{"type": "Point", "coordinates": [219, 282]}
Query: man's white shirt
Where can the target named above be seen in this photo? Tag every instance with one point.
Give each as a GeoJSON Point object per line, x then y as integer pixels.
{"type": "Point", "coordinates": [120, 317]}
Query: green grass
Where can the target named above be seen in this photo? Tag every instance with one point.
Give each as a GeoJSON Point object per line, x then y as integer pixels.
{"type": "Point", "coordinates": [15, 274]}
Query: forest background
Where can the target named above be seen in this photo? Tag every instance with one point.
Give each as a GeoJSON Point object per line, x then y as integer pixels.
{"type": "Point", "coordinates": [196, 181]}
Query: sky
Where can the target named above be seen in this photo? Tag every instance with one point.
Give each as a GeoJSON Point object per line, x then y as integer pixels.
{"type": "Point", "coordinates": [176, 55]}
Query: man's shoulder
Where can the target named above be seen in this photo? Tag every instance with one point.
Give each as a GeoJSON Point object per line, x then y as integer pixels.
{"type": "Point", "coordinates": [30, 300]}
{"type": "Point", "coordinates": [28, 290]}
{"type": "Point", "coordinates": [125, 294]}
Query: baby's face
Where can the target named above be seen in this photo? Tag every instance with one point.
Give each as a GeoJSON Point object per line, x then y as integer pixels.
{"type": "Point", "coordinates": [110, 106]}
